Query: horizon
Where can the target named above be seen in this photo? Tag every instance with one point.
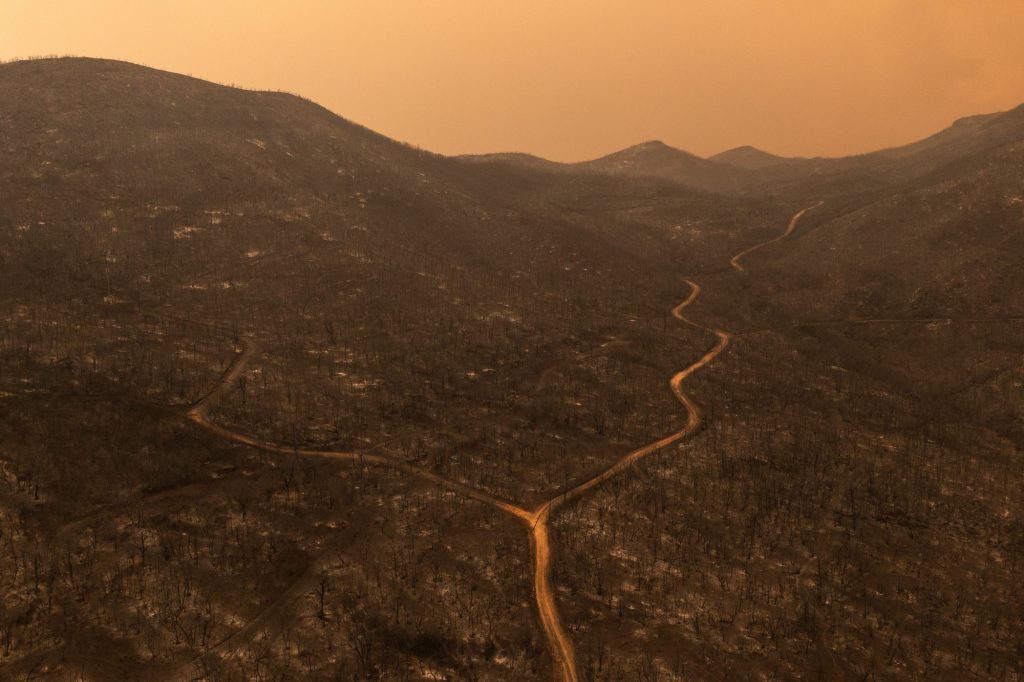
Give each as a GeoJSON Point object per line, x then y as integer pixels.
{"type": "Point", "coordinates": [826, 81]}
{"type": "Point", "coordinates": [710, 157]}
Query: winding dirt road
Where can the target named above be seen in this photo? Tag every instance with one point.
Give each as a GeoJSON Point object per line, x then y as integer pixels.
{"type": "Point", "coordinates": [561, 648]}
{"type": "Point", "coordinates": [735, 260]}
{"type": "Point", "coordinates": [199, 413]}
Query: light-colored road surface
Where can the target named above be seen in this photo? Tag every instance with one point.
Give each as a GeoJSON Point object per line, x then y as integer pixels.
{"type": "Point", "coordinates": [558, 640]}
{"type": "Point", "coordinates": [693, 414]}
{"type": "Point", "coordinates": [560, 646]}
{"type": "Point", "coordinates": [735, 260]}
{"type": "Point", "coordinates": [199, 413]}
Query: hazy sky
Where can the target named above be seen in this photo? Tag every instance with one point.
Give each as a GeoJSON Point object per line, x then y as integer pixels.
{"type": "Point", "coordinates": [574, 79]}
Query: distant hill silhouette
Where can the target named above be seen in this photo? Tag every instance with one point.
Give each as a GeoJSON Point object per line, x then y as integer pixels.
{"type": "Point", "coordinates": [657, 159]}
{"type": "Point", "coordinates": [749, 158]}
{"type": "Point", "coordinates": [653, 159]}
{"type": "Point", "coordinates": [747, 170]}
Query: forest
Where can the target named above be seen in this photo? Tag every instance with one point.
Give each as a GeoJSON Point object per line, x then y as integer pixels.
{"type": "Point", "coordinates": [281, 398]}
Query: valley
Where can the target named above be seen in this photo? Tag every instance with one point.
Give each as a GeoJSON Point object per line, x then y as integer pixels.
{"type": "Point", "coordinates": [279, 396]}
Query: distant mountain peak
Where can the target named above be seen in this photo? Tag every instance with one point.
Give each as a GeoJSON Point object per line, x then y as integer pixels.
{"type": "Point", "coordinates": [649, 149]}
{"type": "Point", "coordinates": [747, 149]}
{"type": "Point", "coordinates": [654, 158]}
{"type": "Point", "coordinates": [749, 158]}
{"type": "Point", "coordinates": [652, 144]}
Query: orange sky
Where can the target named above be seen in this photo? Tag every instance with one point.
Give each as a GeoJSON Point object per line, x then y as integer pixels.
{"type": "Point", "coordinates": [574, 79]}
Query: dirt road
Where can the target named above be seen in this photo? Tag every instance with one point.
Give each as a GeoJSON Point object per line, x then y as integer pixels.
{"type": "Point", "coordinates": [561, 647]}
{"type": "Point", "coordinates": [735, 260]}
{"type": "Point", "coordinates": [559, 643]}
{"type": "Point", "coordinates": [199, 415]}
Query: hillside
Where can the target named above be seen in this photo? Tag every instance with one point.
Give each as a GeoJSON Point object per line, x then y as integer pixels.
{"type": "Point", "coordinates": [647, 160]}
{"type": "Point", "coordinates": [515, 159]}
{"type": "Point", "coordinates": [748, 171]}
{"type": "Point", "coordinates": [402, 302]}
{"type": "Point", "coordinates": [888, 169]}
{"type": "Point", "coordinates": [942, 238]}
{"type": "Point", "coordinates": [282, 398]}
{"type": "Point", "coordinates": [657, 159]}
{"type": "Point", "coordinates": [142, 195]}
